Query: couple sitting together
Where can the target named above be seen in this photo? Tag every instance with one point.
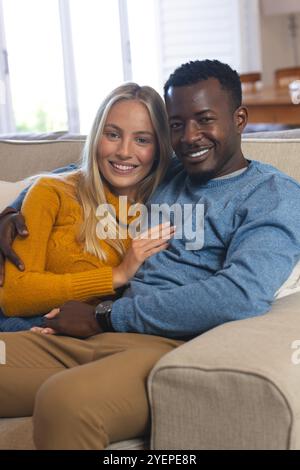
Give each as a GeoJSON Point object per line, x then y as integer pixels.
{"type": "Point", "coordinates": [81, 367]}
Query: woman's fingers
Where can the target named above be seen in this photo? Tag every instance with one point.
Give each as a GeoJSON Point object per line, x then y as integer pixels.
{"type": "Point", "coordinates": [52, 313]}
{"type": "Point", "coordinates": [44, 331]}
{"type": "Point", "coordinates": [150, 243]}
{"type": "Point", "coordinates": [156, 232]}
{"type": "Point", "coordinates": [157, 250]}
{"type": "Point", "coordinates": [36, 329]}
{"type": "Point", "coordinates": [48, 331]}
{"type": "Point", "coordinates": [164, 233]}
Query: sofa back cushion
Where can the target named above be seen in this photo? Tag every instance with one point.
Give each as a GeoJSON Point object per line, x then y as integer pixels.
{"type": "Point", "coordinates": [284, 154]}
{"type": "Point", "coordinates": [20, 159]}
{"type": "Point", "coordinates": [9, 191]}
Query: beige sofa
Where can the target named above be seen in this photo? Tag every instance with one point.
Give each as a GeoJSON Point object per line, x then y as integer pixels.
{"type": "Point", "coordinates": [234, 387]}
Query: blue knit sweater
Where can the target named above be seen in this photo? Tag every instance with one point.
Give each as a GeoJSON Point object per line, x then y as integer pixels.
{"type": "Point", "coordinates": [251, 244]}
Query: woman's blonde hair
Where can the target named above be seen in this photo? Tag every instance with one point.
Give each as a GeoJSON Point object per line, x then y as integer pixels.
{"type": "Point", "coordinates": [89, 185]}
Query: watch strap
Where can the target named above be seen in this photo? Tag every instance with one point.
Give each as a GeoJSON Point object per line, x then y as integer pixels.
{"type": "Point", "coordinates": [104, 319]}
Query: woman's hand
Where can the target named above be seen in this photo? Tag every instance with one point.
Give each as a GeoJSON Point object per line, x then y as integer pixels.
{"type": "Point", "coordinates": [147, 244]}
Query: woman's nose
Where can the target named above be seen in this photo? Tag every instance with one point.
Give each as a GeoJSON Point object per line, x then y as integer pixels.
{"type": "Point", "coordinates": [125, 148]}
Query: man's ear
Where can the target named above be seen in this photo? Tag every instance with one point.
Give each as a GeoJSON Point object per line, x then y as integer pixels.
{"type": "Point", "coordinates": [240, 118]}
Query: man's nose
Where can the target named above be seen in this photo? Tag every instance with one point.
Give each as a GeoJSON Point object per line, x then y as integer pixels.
{"type": "Point", "coordinates": [192, 132]}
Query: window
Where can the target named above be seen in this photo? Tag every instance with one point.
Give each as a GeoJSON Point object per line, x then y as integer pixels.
{"type": "Point", "coordinates": [64, 56]}
{"type": "Point", "coordinates": [97, 53]}
{"type": "Point", "coordinates": [36, 68]}
{"type": "Point", "coordinates": [47, 85]}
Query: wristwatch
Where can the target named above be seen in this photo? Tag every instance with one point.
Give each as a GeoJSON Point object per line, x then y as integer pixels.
{"type": "Point", "coordinates": [102, 315]}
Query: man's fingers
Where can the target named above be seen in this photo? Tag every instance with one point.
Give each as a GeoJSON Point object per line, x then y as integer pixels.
{"type": "Point", "coordinates": [20, 226]}
{"type": "Point", "coordinates": [51, 323]}
{"type": "Point", "coordinates": [1, 269]}
{"type": "Point", "coordinates": [13, 257]}
{"type": "Point", "coordinates": [52, 313]}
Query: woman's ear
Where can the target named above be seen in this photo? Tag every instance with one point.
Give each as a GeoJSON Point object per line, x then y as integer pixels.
{"type": "Point", "coordinates": [241, 118]}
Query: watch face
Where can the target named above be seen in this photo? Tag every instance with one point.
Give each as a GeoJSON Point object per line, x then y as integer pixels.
{"type": "Point", "coordinates": [102, 315]}
{"type": "Point", "coordinates": [104, 307]}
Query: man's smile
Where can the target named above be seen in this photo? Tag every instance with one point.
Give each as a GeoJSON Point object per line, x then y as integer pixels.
{"type": "Point", "coordinates": [198, 155]}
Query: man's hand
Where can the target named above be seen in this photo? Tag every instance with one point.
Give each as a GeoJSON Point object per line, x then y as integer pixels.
{"type": "Point", "coordinates": [11, 225]}
{"type": "Point", "coordinates": [72, 319]}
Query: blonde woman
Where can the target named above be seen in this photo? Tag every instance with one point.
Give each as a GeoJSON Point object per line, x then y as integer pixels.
{"type": "Point", "coordinates": [126, 154]}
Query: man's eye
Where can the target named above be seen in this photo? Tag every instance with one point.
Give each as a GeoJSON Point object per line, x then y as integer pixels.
{"type": "Point", "coordinates": [175, 126]}
{"type": "Point", "coordinates": [205, 120]}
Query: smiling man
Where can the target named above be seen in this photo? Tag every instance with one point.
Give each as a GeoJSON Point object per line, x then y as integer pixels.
{"type": "Point", "coordinates": [251, 244]}
{"type": "Point", "coordinates": [206, 121]}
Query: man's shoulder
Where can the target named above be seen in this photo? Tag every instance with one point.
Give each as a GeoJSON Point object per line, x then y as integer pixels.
{"type": "Point", "coordinates": [268, 189]}
{"type": "Point", "coordinates": [263, 172]}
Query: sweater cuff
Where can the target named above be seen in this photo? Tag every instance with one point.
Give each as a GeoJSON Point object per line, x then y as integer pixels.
{"type": "Point", "coordinates": [118, 317]}
{"type": "Point", "coordinates": [94, 283]}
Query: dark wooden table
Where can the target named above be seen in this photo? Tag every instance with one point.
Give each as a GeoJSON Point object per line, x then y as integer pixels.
{"type": "Point", "coordinates": [271, 105]}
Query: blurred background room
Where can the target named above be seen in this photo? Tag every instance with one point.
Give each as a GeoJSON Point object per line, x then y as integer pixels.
{"type": "Point", "coordinates": [59, 58]}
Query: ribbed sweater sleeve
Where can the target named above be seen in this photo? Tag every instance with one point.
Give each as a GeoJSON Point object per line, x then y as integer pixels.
{"type": "Point", "coordinates": [35, 290]}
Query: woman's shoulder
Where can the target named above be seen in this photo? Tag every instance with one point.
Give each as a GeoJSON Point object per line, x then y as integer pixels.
{"type": "Point", "coordinates": [57, 182]}
{"type": "Point", "coordinates": [53, 187]}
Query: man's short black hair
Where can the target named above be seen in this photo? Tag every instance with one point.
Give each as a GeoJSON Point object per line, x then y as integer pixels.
{"type": "Point", "coordinates": [198, 70]}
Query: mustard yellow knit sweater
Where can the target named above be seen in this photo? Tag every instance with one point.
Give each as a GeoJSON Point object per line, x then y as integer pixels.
{"type": "Point", "coordinates": [56, 267]}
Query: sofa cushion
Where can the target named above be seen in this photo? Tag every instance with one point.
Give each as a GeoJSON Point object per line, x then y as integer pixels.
{"type": "Point", "coordinates": [291, 285]}
{"type": "Point", "coordinates": [284, 154]}
{"type": "Point", "coordinates": [278, 134]}
{"type": "Point", "coordinates": [18, 159]}
{"type": "Point", "coordinates": [9, 191]}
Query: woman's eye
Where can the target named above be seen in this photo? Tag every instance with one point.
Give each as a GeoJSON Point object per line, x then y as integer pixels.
{"type": "Point", "coordinates": [142, 140]}
{"type": "Point", "coordinates": [112, 135]}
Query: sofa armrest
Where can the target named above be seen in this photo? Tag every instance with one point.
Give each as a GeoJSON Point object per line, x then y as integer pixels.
{"type": "Point", "coordinates": [234, 387]}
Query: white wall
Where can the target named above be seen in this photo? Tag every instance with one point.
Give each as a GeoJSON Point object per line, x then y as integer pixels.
{"type": "Point", "coordinates": [276, 45]}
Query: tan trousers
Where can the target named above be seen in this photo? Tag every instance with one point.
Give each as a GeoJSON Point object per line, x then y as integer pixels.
{"type": "Point", "coordinates": [83, 394]}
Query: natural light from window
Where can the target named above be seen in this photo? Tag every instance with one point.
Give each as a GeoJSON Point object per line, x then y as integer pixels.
{"type": "Point", "coordinates": [36, 67]}
{"type": "Point", "coordinates": [97, 52]}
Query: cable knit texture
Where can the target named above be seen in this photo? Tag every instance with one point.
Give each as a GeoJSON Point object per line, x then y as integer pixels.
{"type": "Point", "coordinates": [56, 267]}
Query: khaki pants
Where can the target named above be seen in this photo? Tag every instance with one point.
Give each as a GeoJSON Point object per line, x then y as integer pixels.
{"type": "Point", "coordinates": [83, 394]}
